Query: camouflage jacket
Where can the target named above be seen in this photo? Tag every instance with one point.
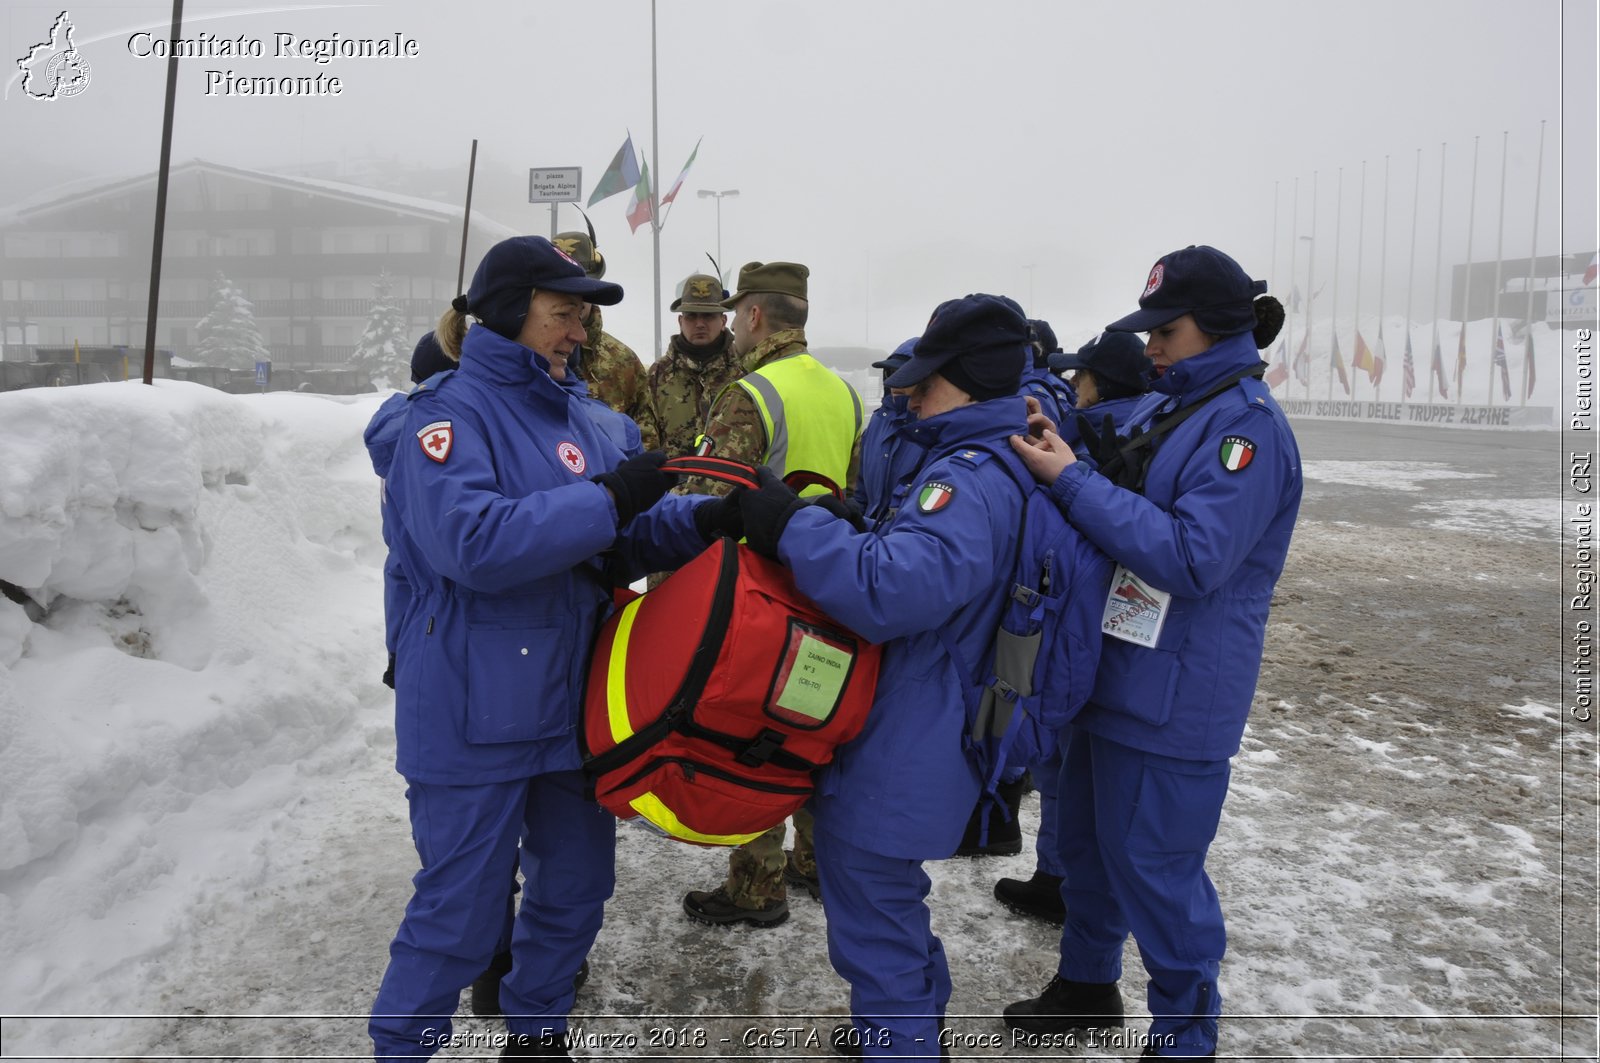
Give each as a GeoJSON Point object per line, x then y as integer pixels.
{"type": "Point", "coordinates": [735, 423]}
{"type": "Point", "coordinates": [617, 378]}
{"type": "Point", "coordinates": [683, 387]}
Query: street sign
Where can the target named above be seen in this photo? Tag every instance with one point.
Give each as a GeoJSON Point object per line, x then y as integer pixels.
{"type": "Point", "coordinates": [562, 185]}
{"type": "Point", "coordinates": [263, 374]}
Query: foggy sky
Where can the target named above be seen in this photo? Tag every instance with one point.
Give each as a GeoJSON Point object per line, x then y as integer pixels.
{"type": "Point", "coordinates": [909, 151]}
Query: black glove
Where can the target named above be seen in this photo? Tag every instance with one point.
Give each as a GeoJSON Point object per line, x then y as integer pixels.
{"type": "Point", "coordinates": [637, 484]}
{"type": "Point", "coordinates": [842, 508]}
{"type": "Point", "coordinates": [388, 675]}
{"type": "Point", "coordinates": [720, 517]}
{"type": "Point", "coordinates": [1100, 445]}
{"type": "Point", "coordinates": [766, 512]}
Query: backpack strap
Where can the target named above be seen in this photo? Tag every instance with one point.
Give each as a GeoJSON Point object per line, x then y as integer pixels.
{"type": "Point", "coordinates": [1131, 463]}
{"type": "Point", "coordinates": [742, 473]}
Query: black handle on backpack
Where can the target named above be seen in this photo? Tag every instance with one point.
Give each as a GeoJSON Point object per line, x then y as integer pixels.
{"type": "Point", "coordinates": [742, 473]}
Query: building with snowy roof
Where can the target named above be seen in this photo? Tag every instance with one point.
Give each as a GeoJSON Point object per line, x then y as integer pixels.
{"type": "Point", "coordinates": [306, 253]}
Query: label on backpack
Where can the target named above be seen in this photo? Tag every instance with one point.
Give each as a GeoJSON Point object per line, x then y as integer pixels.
{"type": "Point", "coordinates": [810, 678]}
{"type": "Point", "coordinates": [1135, 611]}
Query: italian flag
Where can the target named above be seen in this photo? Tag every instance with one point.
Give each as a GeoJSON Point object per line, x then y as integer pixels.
{"type": "Point", "coordinates": [934, 496]}
{"type": "Point", "coordinates": [1236, 453]}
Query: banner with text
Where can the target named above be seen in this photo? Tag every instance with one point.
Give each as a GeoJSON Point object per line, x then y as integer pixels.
{"type": "Point", "coordinates": [1425, 413]}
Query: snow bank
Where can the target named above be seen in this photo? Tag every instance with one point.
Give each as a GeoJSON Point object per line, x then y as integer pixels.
{"type": "Point", "coordinates": [184, 571]}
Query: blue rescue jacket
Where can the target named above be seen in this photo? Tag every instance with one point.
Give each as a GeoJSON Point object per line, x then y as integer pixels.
{"type": "Point", "coordinates": [1215, 539]}
{"type": "Point", "coordinates": [888, 457]}
{"type": "Point", "coordinates": [496, 530]}
{"type": "Point", "coordinates": [905, 787]}
{"type": "Point", "coordinates": [1120, 411]}
{"type": "Point", "coordinates": [1056, 396]}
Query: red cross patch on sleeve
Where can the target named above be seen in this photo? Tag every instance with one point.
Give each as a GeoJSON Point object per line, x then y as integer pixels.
{"type": "Point", "coordinates": [436, 439]}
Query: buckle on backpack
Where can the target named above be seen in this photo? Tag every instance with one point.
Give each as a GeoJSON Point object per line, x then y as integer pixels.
{"type": "Point", "coordinates": [761, 748]}
{"type": "Point", "coordinates": [1026, 595]}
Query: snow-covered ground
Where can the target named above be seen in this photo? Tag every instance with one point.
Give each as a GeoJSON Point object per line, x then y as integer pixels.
{"type": "Point", "coordinates": [204, 848]}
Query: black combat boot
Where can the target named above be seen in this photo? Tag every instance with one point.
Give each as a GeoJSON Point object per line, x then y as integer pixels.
{"type": "Point", "coordinates": [531, 1046]}
{"type": "Point", "coordinates": [486, 987]}
{"type": "Point", "coordinates": [1066, 1006]}
{"type": "Point", "coordinates": [1005, 835]}
{"type": "Point", "coordinates": [1039, 897]}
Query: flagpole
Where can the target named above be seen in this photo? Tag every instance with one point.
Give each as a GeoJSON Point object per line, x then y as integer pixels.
{"type": "Point", "coordinates": [1361, 244]}
{"type": "Point", "coordinates": [1436, 362]}
{"type": "Point", "coordinates": [1333, 306]}
{"type": "Point", "coordinates": [1466, 295]}
{"type": "Point", "coordinates": [1274, 273]}
{"type": "Point", "coordinates": [1499, 252]}
{"type": "Point", "coordinates": [1311, 280]}
{"type": "Point", "coordinates": [1411, 273]}
{"type": "Point", "coordinates": [1533, 251]}
{"type": "Point", "coordinates": [1383, 276]}
{"type": "Point", "coordinates": [1294, 248]}
{"type": "Point", "coordinates": [655, 200]}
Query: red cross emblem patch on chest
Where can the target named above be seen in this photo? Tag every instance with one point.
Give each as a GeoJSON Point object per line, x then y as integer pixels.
{"type": "Point", "coordinates": [436, 439]}
{"type": "Point", "coordinates": [572, 458]}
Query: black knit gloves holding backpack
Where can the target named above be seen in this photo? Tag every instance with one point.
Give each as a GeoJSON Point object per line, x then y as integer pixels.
{"type": "Point", "coordinates": [637, 484]}
{"type": "Point", "coordinates": [766, 512]}
{"type": "Point", "coordinates": [720, 517]}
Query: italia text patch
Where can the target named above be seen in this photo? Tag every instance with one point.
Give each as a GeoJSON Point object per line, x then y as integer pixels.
{"type": "Point", "coordinates": [436, 440]}
{"type": "Point", "coordinates": [934, 496]}
{"type": "Point", "coordinates": [1236, 453]}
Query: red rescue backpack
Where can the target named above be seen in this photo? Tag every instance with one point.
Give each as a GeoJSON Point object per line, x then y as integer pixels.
{"type": "Point", "coordinates": [713, 698]}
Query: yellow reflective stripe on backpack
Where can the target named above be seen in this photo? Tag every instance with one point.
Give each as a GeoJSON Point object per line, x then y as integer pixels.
{"type": "Point", "coordinates": [617, 675]}
{"type": "Point", "coordinates": [650, 807]}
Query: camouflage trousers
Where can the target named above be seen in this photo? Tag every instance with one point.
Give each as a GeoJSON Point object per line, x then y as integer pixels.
{"type": "Point", "coordinates": [755, 869]}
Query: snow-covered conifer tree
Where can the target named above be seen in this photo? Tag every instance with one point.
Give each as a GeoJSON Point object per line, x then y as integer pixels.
{"type": "Point", "coordinates": [384, 353]}
{"type": "Point", "coordinates": [228, 336]}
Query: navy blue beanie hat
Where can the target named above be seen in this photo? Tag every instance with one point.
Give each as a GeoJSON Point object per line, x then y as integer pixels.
{"type": "Point", "coordinates": [900, 356]}
{"type": "Point", "coordinates": [1116, 359]}
{"type": "Point", "coordinates": [978, 342]}
{"type": "Point", "coordinates": [1197, 280]}
{"type": "Point", "coordinates": [429, 358]}
{"type": "Point", "coordinates": [1045, 338]}
{"type": "Point", "coordinates": [510, 273]}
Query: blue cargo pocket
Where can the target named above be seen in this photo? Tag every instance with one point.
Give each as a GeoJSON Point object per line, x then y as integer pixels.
{"type": "Point", "coordinates": [517, 688]}
{"type": "Point", "coordinates": [1179, 805]}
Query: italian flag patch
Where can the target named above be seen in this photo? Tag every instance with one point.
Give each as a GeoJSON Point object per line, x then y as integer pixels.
{"type": "Point", "coordinates": [1236, 453]}
{"type": "Point", "coordinates": [934, 496]}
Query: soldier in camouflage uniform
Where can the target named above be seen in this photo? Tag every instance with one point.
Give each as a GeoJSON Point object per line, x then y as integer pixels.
{"type": "Point", "coordinates": [699, 362]}
{"type": "Point", "coordinates": [608, 366]}
{"type": "Point", "coordinates": [769, 311]}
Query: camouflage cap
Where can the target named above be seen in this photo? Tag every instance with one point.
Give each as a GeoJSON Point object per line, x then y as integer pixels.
{"type": "Point", "coordinates": [784, 278]}
{"type": "Point", "coordinates": [583, 251]}
{"type": "Point", "coordinates": [701, 293]}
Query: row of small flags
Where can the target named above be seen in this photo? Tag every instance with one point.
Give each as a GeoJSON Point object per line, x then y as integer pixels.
{"type": "Point", "coordinates": [627, 172]}
{"type": "Point", "coordinates": [1373, 363]}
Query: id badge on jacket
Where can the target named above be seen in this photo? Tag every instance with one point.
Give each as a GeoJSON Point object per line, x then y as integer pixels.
{"type": "Point", "coordinates": [1135, 611]}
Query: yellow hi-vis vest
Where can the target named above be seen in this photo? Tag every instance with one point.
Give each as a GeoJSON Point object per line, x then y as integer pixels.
{"type": "Point", "coordinates": [810, 414]}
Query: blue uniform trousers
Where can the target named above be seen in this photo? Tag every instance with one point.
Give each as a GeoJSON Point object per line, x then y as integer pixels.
{"type": "Point", "coordinates": [1047, 847]}
{"type": "Point", "coordinates": [467, 838]}
{"type": "Point", "coordinates": [881, 941]}
{"type": "Point", "coordinates": [1134, 830]}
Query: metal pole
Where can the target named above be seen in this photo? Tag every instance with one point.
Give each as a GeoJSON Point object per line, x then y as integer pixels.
{"type": "Point", "coordinates": [1533, 250]}
{"type": "Point", "coordinates": [1311, 278]}
{"type": "Point", "coordinates": [1466, 295]}
{"type": "Point", "coordinates": [1435, 358]}
{"type": "Point", "coordinates": [466, 217]}
{"type": "Point", "coordinates": [156, 242]}
{"type": "Point", "coordinates": [1411, 270]}
{"type": "Point", "coordinates": [719, 233]}
{"type": "Point", "coordinates": [655, 166]}
{"type": "Point", "coordinates": [1499, 260]}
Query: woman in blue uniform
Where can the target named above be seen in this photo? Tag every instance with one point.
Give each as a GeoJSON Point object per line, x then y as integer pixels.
{"type": "Point", "coordinates": [933, 570]}
{"type": "Point", "coordinates": [504, 494]}
{"type": "Point", "coordinates": [1198, 517]}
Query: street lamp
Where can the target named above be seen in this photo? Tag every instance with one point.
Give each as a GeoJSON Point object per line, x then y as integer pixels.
{"type": "Point", "coordinates": [1030, 267]}
{"type": "Point", "coordinates": [706, 193]}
